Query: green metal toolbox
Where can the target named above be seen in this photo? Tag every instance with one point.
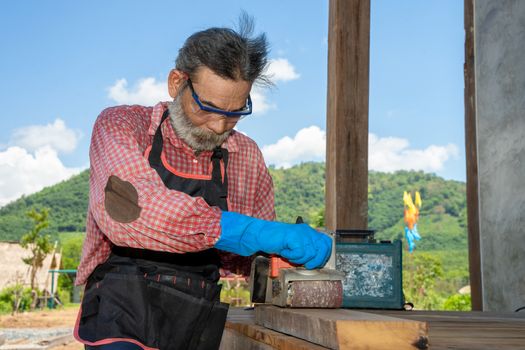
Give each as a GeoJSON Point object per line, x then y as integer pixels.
{"type": "Point", "coordinates": [373, 270]}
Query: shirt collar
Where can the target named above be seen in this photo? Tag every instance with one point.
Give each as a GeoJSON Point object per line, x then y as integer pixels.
{"type": "Point", "coordinates": [230, 144]}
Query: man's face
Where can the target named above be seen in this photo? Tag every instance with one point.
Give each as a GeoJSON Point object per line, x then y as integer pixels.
{"type": "Point", "coordinates": [204, 130]}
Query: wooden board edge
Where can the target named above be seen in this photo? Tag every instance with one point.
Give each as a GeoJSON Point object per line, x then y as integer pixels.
{"type": "Point", "coordinates": [270, 337]}
{"type": "Point", "coordinates": [233, 340]}
{"type": "Point", "coordinates": [382, 335]}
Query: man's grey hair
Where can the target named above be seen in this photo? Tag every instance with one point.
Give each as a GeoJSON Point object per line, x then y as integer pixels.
{"type": "Point", "coordinates": [228, 53]}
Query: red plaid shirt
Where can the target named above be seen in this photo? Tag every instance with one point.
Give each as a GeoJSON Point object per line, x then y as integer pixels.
{"type": "Point", "coordinates": [169, 220]}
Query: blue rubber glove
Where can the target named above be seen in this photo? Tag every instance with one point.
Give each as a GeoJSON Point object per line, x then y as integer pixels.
{"type": "Point", "coordinates": [298, 243]}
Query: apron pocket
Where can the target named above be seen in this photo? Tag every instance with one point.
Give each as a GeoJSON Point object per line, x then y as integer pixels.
{"type": "Point", "coordinates": [177, 315]}
{"type": "Point", "coordinates": [212, 334]}
{"type": "Point", "coordinates": [123, 311]}
{"type": "Point", "coordinates": [90, 307]}
{"type": "Point", "coordinates": [86, 327]}
{"type": "Point", "coordinates": [156, 314]}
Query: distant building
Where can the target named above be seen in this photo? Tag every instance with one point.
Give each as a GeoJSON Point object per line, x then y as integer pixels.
{"type": "Point", "coordinates": [14, 270]}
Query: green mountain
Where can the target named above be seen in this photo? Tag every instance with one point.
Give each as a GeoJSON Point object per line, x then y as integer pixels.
{"type": "Point", "coordinates": [66, 200]}
{"type": "Point", "coordinates": [299, 190]}
{"type": "Point", "coordinates": [433, 274]}
{"type": "Point", "coordinates": [443, 222]}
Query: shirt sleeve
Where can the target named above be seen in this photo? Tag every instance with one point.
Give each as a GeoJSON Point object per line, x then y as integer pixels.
{"type": "Point", "coordinates": [264, 207]}
{"type": "Point", "coordinates": [128, 200]}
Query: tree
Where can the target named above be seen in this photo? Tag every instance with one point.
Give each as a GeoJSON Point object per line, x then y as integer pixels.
{"type": "Point", "coordinates": [39, 244]}
{"type": "Point", "coordinates": [423, 271]}
{"type": "Point", "coordinates": [71, 246]}
{"type": "Point", "coordinates": [458, 302]}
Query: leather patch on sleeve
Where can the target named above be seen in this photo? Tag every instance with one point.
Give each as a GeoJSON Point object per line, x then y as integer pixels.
{"type": "Point", "coordinates": [121, 200]}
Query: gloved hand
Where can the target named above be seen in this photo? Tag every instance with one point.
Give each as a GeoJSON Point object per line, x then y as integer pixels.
{"type": "Point", "coordinates": [298, 243]}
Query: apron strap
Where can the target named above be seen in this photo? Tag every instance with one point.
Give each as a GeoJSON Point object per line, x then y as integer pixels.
{"type": "Point", "coordinates": [216, 175]}
{"type": "Point", "coordinates": [156, 147]}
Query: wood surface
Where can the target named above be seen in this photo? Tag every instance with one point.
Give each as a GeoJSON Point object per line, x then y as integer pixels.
{"type": "Point", "coordinates": [233, 340]}
{"type": "Point", "coordinates": [268, 337]}
{"type": "Point", "coordinates": [469, 330]}
{"type": "Point", "coordinates": [344, 329]}
{"type": "Point", "coordinates": [347, 115]}
{"type": "Point", "coordinates": [471, 155]}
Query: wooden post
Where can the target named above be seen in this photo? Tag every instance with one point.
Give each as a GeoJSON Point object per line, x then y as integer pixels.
{"type": "Point", "coordinates": [471, 155]}
{"type": "Point", "coordinates": [347, 115]}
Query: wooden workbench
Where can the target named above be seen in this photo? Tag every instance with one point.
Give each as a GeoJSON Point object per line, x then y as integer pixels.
{"type": "Point", "coordinates": [446, 330]}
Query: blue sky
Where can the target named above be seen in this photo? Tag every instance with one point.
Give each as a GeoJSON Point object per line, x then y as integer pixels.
{"type": "Point", "coordinates": [62, 62]}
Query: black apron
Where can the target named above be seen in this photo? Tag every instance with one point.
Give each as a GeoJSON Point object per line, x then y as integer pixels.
{"type": "Point", "coordinates": [160, 300]}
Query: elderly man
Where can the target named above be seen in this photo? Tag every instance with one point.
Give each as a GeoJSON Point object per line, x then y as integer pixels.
{"type": "Point", "coordinates": [175, 194]}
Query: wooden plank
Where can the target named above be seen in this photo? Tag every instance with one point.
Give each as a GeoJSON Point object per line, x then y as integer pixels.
{"type": "Point", "coordinates": [344, 329]}
{"type": "Point", "coordinates": [459, 316]}
{"type": "Point", "coordinates": [449, 329]}
{"type": "Point", "coordinates": [469, 330]}
{"type": "Point", "coordinates": [471, 155]}
{"type": "Point", "coordinates": [233, 340]}
{"type": "Point", "coordinates": [382, 335]}
{"type": "Point", "coordinates": [271, 338]}
{"type": "Point", "coordinates": [347, 115]}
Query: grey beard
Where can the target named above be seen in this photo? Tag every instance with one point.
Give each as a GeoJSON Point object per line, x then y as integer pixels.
{"type": "Point", "coordinates": [197, 138]}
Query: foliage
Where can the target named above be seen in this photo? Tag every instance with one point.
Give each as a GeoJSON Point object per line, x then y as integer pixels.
{"type": "Point", "coordinates": [299, 190]}
{"type": "Point", "coordinates": [455, 269]}
{"type": "Point", "coordinates": [66, 200]}
{"type": "Point", "coordinates": [439, 197]}
{"type": "Point", "coordinates": [6, 307]}
{"type": "Point", "coordinates": [15, 298]}
{"type": "Point", "coordinates": [439, 232]}
{"type": "Point", "coordinates": [235, 293]}
{"type": "Point", "coordinates": [458, 302]}
{"type": "Point", "coordinates": [317, 219]}
{"type": "Point", "coordinates": [71, 248]}
{"type": "Point", "coordinates": [39, 244]}
{"type": "Point", "coordinates": [64, 296]}
{"type": "Point", "coordinates": [421, 272]}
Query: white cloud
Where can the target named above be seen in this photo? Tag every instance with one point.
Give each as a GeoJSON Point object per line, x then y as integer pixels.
{"type": "Point", "coordinates": [308, 144]}
{"type": "Point", "coordinates": [146, 92]}
{"type": "Point", "coordinates": [24, 173]}
{"type": "Point", "coordinates": [280, 69]}
{"type": "Point", "coordinates": [260, 101]}
{"type": "Point", "coordinates": [31, 162]}
{"type": "Point", "coordinates": [391, 153]}
{"type": "Point", "coordinates": [386, 154]}
{"type": "Point", "coordinates": [56, 135]}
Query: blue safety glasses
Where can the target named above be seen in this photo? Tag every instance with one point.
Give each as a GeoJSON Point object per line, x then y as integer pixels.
{"type": "Point", "coordinates": [237, 114]}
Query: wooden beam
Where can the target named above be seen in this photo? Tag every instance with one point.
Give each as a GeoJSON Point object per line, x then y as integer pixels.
{"type": "Point", "coordinates": [347, 115]}
{"type": "Point", "coordinates": [344, 329]}
{"type": "Point", "coordinates": [471, 155]}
